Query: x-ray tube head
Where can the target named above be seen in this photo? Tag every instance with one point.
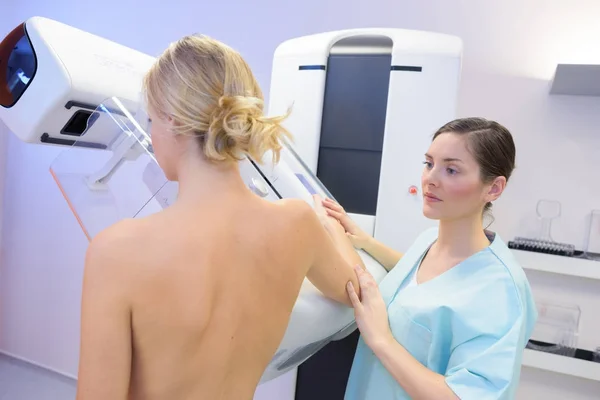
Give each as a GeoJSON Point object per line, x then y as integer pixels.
{"type": "Point", "coordinates": [53, 77]}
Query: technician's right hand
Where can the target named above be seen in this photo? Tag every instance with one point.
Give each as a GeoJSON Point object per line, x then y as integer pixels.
{"type": "Point", "coordinates": [357, 236]}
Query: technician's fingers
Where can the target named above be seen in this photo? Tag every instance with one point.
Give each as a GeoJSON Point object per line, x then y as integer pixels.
{"type": "Point", "coordinates": [367, 283]}
{"type": "Point", "coordinates": [335, 214]}
{"type": "Point", "coordinates": [353, 296]}
{"type": "Point", "coordinates": [341, 216]}
{"type": "Point", "coordinates": [333, 205]}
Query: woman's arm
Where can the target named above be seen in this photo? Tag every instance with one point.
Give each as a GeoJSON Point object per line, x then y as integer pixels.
{"type": "Point", "coordinates": [105, 349]}
{"type": "Point", "coordinates": [338, 236]}
{"type": "Point", "coordinates": [337, 233]}
{"type": "Point", "coordinates": [384, 255]}
{"type": "Point", "coordinates": [333, 254]}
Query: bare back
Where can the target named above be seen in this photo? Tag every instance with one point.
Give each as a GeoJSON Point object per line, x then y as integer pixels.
{"type": "Point", "coordinates": [212, 297]}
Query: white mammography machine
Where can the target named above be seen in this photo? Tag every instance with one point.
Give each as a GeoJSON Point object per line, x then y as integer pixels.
{"type": "Point", "coordinates": [64, 87]}
{"type": "Point", "coordinates": [366, 103]}
{"type": "Point", "coordinates": [61, 86]}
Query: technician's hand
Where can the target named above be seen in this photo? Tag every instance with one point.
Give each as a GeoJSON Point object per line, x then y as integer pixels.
{"type": "Point", "coordinates": [321, 212]}
{"type": "Point", "coordinates": [370, 311]}
{"type": "Point", "coordinates": [357, 236]}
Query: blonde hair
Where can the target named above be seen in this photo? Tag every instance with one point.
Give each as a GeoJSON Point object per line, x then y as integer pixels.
{"type": "Point", "coordinates": [211, 93]}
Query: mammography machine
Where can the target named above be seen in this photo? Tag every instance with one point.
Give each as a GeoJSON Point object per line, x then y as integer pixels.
{"type": "Point", "coordinates": [358, 97]}
{"type": "Point", "coordinates": [366, 103]}
{"type": "Point", "coordinates": [61, 86]}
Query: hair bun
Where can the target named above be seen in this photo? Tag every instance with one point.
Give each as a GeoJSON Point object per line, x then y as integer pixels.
{"type": "Point", "coordinates": [238, 128]}
{"type": "Point", "coordinates": [209, 90]}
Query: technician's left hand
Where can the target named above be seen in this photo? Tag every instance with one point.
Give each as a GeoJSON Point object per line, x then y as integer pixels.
{"type": "Point", "coordinates": [370, 311]}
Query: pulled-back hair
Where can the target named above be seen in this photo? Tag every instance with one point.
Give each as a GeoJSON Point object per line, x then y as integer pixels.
{"type": "Point", "coordinates": [490, 143]}
{"type": "Point", "coordinates": [211, 93]}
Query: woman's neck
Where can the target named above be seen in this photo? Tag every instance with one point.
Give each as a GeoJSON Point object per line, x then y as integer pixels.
{"type": "Point", "coordinates": [201, 181]}
{"type": "Point", "coordinates": [461, 238]}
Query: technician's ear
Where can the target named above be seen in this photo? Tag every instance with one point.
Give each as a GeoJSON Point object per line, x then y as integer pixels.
{"type": "Point", "coordinates": [496, 188]}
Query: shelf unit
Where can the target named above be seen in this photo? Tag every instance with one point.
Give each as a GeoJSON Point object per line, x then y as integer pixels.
{"type": "Point", "coordinates": [576, 80]}
{"type": "Point", "coordinates": [573, 80]}
{"type": "Point", "coordinates": [561, 364]}
{"type": "Point", "coordinates": [569, 266]}
{"type": "Point", "coordinates": [558, 264]}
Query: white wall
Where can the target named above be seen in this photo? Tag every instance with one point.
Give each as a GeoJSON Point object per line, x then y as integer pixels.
{"type": "Point", "coordinates": [511, 49]}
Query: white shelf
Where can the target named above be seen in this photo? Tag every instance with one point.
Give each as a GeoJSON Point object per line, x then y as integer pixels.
{"type": "Point", "coordinates": [558, 264]}
{"type": "Point", "coordinates": [561, 364]}
{"type": "Point", "coordinates": [576, 80]}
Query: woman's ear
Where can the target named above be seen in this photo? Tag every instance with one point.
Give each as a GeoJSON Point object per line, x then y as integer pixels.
{"type": "Point", "coordinates": [170, 120]}
{"type": "Point", "coordinates": [496, 188]}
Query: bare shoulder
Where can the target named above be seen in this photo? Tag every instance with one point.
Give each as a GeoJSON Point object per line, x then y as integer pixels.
{"type": "Point", "coordinates": [295, 207]}
{"type": "Point", "coordinates": [118, 239]}
{"type": "Point", "coordinates": [112, 253]}
{"type": "Point", "coordinates": [299, 212]}
{"type": "Point", "coordinates": [306, 222]}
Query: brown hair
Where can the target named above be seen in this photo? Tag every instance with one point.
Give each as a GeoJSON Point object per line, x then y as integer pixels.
{"type": "Point", "coordinates": [211, 93]}
{"type": "Point", "coordinates": [489, 142]}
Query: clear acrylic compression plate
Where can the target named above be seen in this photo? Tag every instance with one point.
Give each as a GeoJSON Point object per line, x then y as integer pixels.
{"type": "Point", "coordinates": [110, 173]}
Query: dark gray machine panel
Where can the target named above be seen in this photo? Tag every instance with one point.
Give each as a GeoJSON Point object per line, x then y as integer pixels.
{"type": "Point", "coordinates": [354, 113]}
{"type": "Point", "coordinates": [349, 164]}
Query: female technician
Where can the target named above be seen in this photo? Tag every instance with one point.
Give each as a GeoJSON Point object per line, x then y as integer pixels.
{"type": "Point", "coordinates": [455, 312]}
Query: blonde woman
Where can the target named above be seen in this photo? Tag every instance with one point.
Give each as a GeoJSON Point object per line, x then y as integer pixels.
{"type": "Point", "coordinates": [192, 302]}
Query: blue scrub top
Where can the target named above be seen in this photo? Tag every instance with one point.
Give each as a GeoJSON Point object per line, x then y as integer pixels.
{"type": "Point", "coordinates": [470, 324]}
